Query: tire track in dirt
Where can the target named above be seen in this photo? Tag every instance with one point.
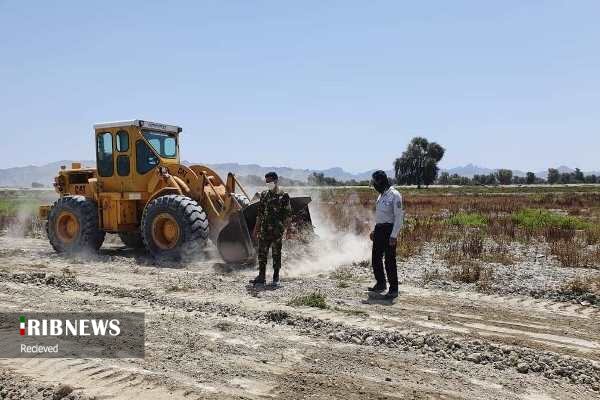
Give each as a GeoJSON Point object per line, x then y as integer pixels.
{"type": "Point", "coordinates": [307, 356]}
{"type": "Point", "coordinates": [475, 315]}
{"type": "Point", "coordinates": [316, 368]}
{"type": "Point", "coordinates": [253, 330]}
{"type": "Point", "coordinates": [329, 324]}
{"type": "Point", "coordinates": [97, 379]}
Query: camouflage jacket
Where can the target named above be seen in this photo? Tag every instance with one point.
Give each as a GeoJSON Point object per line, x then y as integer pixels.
{"type": "Point", "coordinates": [274, 211]}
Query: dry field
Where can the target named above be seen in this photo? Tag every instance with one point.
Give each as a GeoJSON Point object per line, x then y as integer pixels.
{"type": "Point", "coordinates": [500, 299]}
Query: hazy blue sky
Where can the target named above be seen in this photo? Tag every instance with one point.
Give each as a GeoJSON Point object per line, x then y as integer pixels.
{"type": "Point", "coordinates": [307, 84]}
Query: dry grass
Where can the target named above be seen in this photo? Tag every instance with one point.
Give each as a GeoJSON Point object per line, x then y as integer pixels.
{"type": "Point", "coordinates": [351, 311]}
{"type": "Point", "coordinates": [179, 285]}
{"type": "Point", "coordinates": [472, 245]}
{"type": "Point", "coordinates": [467, 272]}
{"type": "Point", "coordinates": [575, 254]}
{"type": "Point", "coordinates": [432, 275]}
{"type": "Point", "coordinates": [344, 274]}
{"type": "Point", "coordinates": [502, 227]}
{"type": "Point", "coordinates": [457, 251]}
{"type": "Point", "coordinates": [583, 285]}
{"type": "Point", "coordinates": [592, 235]}
{"type": "Point", "coordinates": [486, 279]}
{"type": "Point", "coordinates": [553, 234]}
{"type": "Point", "coordinates": [499, 254]}
{"type": "Point", "coordinates": [568, 221]}
{"type": "Point", "coordinates": [463, 226]}
{"type": "Point", "coordinates": [453, 254]}
{"type": "Point", "coordinates": [415, 233]}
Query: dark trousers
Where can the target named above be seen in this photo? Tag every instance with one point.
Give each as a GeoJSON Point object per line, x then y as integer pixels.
{"type": "Point", "coordinates": [274, 243]}
{"type": "Point", "coordinates": [381, 247]}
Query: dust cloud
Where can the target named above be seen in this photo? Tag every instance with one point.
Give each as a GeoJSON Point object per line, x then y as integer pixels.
{"type": "Point", "coordinates": [24, 224]}
{"type": "Point", "coordinates": [334, 245]}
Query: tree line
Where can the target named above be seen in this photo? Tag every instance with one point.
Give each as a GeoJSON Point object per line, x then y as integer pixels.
{"type": "Point", "coordinates": [418, 165]}
{"type": "Point", "coordinates": [506, 177]}
{"type": "Point", "coordinates": [500, 177]}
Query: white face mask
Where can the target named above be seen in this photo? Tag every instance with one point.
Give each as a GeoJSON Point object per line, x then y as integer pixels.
{"type": "Point", "coordinates": [271, 185]}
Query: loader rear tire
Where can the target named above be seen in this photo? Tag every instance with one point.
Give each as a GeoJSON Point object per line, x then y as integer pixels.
{"type": "Point", "coordinates": [132, 240]}
{"type": "Point", "coordinates": [72, 225]}
{"type": "Point", "coordinates": [241, 199]}
{"type": "Point", "coordinates": [174, 227]}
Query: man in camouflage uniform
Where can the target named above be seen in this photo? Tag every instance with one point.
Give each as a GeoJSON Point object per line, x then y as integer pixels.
{"type": "Point", "coordinates": [274, 211]}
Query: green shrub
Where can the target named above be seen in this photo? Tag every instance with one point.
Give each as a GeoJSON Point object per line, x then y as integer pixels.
{"type": "Point", "coordinates": [467, 219]}
{"type": "Point", "coordinates": [315, 299]}
{"type": "Point", "coordinates": [536, 220]}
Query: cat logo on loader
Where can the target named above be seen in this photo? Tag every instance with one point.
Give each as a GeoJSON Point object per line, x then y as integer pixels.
{"type": "Point", "coordinates": [141, 191]}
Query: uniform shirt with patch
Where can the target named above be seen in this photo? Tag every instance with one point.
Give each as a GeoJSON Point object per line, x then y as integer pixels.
{"type": "Point", "coordinates": [389, 210]}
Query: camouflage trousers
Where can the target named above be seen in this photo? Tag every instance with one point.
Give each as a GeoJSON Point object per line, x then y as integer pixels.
{"type": "Point", "coordinates": [274, 243]}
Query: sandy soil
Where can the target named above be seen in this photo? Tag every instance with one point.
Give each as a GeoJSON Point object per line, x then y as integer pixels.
{"type": "Point", "coordinates": [210, 336]}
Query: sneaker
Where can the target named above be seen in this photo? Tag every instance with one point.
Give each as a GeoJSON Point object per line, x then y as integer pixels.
{"type": "Point", "coordinates": [275, 284]}
{"type": "Point", "coordinates": [391, 294]}
{"type": "Point", "coordinates": [377, 289]}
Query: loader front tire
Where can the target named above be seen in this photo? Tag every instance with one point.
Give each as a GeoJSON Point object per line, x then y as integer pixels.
{"type": "Point", "coordinates": [132, 240]}
{"type": "Point", "coordinates": [72, 225]}
{"type": "Point", "coordinates": [174, 227]}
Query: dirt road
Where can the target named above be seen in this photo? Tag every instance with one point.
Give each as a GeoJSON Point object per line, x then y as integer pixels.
{"type": "Point", "coordinates": [209, 336]}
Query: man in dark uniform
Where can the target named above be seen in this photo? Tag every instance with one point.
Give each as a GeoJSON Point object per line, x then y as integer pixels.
{"type": "Point", "coordinates": [274, 211]}
{"type": "Point", "coordinates": [389, 217]}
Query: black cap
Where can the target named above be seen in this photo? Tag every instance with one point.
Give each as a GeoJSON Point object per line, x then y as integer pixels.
{"type": "Point", "coordinates": [379, 175]}
{"type": "Point", "coordinates": [272, 175]}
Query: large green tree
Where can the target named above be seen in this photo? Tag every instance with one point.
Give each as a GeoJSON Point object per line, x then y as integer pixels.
{"type": "Point", "coordinates": [530, 178]}
{"type": "Point", "coordinates": [504, 176]}
{"type": "Point", "coordinates": [418, 164]}
{"type": "Point", "coordinates": [553, 176]}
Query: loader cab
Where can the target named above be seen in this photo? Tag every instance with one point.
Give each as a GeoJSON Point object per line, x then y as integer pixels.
{"type": "Point", "coordinates": [128, 154]}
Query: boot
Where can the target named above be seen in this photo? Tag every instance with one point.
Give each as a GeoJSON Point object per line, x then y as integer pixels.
{"type": "Point", "coordinates": [260, 279]}
{"type": "Point", "coordinates": [275, 282]}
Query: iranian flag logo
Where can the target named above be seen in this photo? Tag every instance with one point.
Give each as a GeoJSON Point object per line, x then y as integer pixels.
{"type": "Point", "coordinates": [22, 325]}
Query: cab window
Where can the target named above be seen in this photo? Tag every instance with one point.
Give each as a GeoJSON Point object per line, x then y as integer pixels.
{"type": "Point", "coordinates": [104, 154]}
{"type": "Point", "coordinates": [123, 165]}
{"type": "Point", "coordinates": [145, 158]}
{"type": "Point", "coordinates": [122, 141]}
{"type": "Point", "coordinates": [163, 143]}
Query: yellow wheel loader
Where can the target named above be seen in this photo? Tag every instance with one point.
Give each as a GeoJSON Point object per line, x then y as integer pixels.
{"type": "Point", "coordinates": [140, 191]}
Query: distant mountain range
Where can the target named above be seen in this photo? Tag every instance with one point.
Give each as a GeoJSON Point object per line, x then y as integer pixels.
{"type": "Point", "coordinates": [25, 176]}
{"type": "Point", "coordinates": [291, 173]}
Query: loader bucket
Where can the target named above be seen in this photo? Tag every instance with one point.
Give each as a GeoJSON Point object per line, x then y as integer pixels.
{"type": "Point", "coordinates": [300, 219]}
{"type": "Point", "coordinates": [300, 227]}
{"type": "Point", "coordinates": [235, 241]}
